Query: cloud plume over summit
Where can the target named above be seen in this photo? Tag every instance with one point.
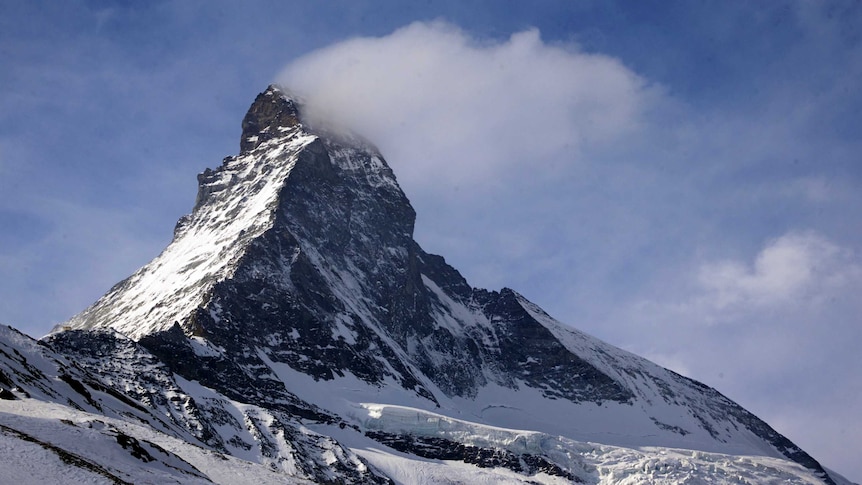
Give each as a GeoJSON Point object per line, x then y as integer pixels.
{"type": "Point", "coordinates": [446, 107]}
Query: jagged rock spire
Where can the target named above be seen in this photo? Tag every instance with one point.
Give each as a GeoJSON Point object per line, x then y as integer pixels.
{"type": "Point", "coordinates": [271, 113]}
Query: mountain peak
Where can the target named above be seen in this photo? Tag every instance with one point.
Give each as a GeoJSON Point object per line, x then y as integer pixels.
{"type": "Point", "coordinates": [295, 286]}
{"type": "Point", "coordinates": [272, 112]}
{"type": "Point", "coordinates": [236, 203]}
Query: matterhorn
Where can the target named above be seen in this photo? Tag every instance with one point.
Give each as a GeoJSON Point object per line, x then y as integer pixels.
{"type": "Point", "coordinates": [293, 331]}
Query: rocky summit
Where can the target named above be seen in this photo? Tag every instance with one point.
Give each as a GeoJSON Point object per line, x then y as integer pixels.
{"type": "Point", "coordinates": [293, 330]}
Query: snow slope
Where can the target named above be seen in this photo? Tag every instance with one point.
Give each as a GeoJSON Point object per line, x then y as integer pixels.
{"type": "Point", "coordinates": [52, 443]}
{"type": "Point", "coordinates": [235, 205]}
{"type": "Point", "coordinates": [47, 437]}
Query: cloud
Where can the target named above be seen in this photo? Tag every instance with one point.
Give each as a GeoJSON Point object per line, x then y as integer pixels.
{"type": "Point", "coordinates": [507, 148]}
{"type": "Point", "coordinates": [800, 281]}
{"type": "Point", "coordinates": [446, 108]}
{"type": "Point", "coordinates": [792, 266]}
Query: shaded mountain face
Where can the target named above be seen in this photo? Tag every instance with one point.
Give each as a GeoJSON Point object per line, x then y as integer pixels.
{"type": "Point", "coordinates": [294, 293]}
{"type": "Point", "coordinates": [302, 246]}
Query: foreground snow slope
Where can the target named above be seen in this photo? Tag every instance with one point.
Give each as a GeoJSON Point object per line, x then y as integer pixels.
{"type": "Point", "coordinates": [47, 437]}
{"type": "Point", "coordinates": [51, 443]}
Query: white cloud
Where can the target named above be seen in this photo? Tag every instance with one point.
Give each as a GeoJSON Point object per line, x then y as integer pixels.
{"type": "Point", "coordinates": [447, 108]}
{"type": "Point", "coordinates": [794, 265]}
{"type": "Point", "coordinates": [799, 279]}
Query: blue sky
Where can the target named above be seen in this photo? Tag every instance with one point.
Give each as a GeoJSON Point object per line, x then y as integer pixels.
{"type": "Point", "coordinates": [681, 179]}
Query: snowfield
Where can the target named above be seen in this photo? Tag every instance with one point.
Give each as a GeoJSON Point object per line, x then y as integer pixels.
{"type": "Point", "coordinates": [52, 443]}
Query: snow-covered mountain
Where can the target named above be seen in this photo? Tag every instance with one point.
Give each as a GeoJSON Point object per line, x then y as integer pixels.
{"type": "Point", "coordinates": [293, 329]}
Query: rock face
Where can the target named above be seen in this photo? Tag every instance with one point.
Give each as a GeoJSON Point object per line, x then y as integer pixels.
{"type": "Point", "coordinates": [294, 290]}
{"type": "Point", "coordinates": [303, 246]}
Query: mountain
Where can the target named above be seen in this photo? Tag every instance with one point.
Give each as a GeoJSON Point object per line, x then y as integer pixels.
{"type": "Point", "coordinates": [293, 329]}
